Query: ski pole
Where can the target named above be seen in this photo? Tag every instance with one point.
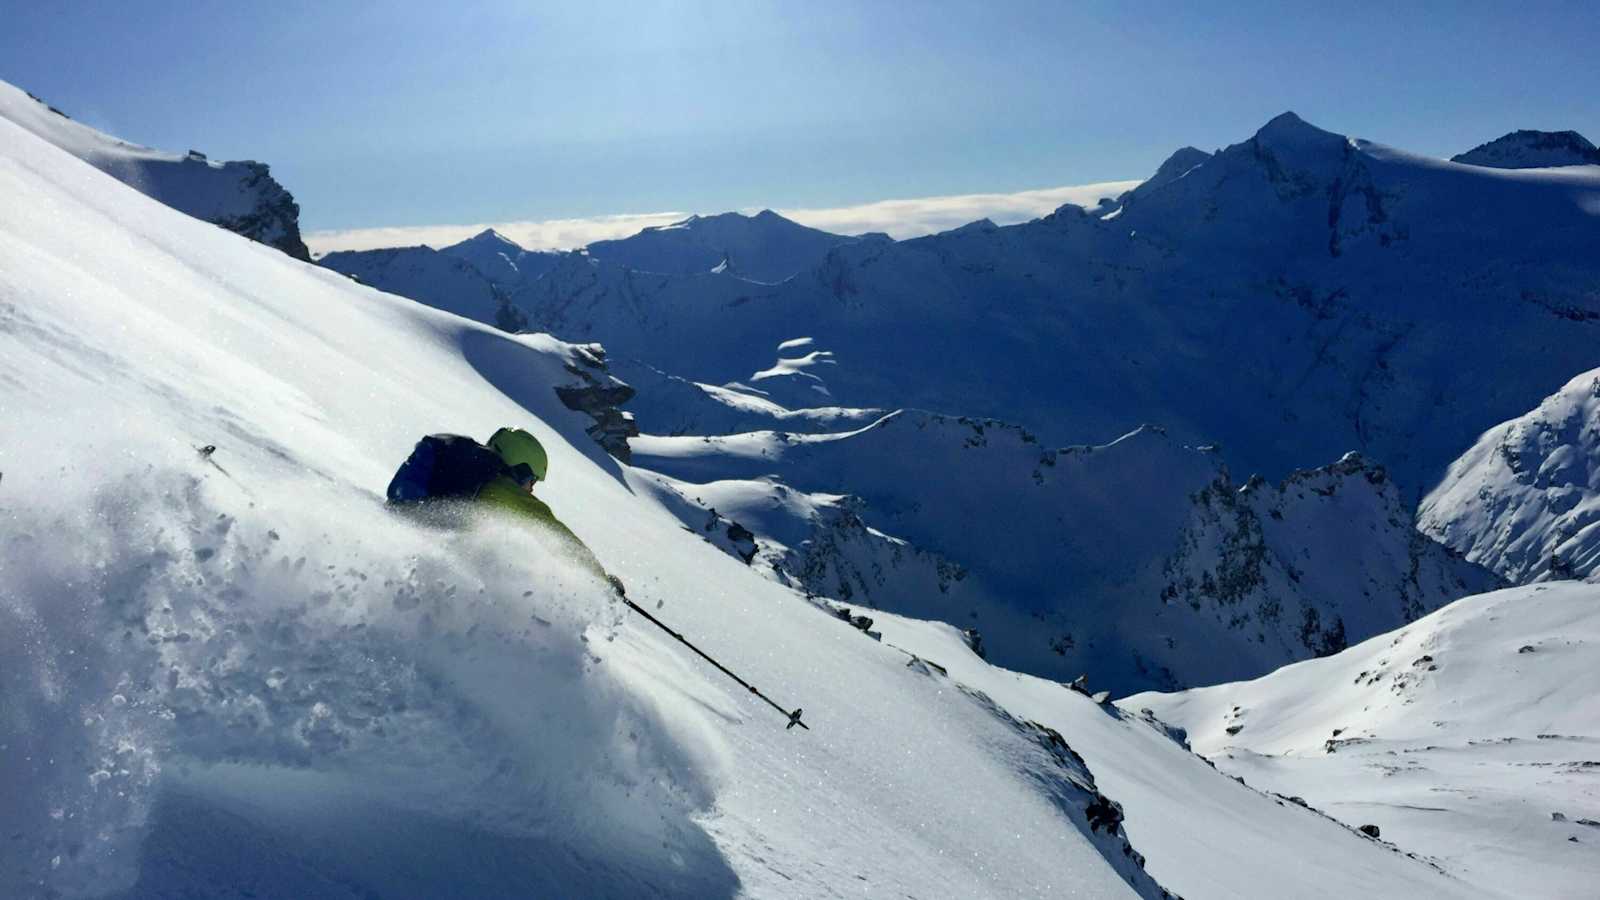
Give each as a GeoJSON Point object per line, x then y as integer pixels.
{"type": "Point", "coordinates": [793, 717]}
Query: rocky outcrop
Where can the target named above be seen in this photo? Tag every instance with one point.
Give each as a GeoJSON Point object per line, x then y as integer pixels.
{"type": "Point", "coordinates": [598, 395]}
{"type": "Point", "coordinates": [1326, 555]}
{"type": "Point", "coordinates": [274, 220]}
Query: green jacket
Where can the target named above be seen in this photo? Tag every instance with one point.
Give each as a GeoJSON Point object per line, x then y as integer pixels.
{"type": "Point", "coordinates": [503, 494]}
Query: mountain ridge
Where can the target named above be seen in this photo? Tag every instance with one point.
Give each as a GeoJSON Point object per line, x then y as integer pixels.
{"type": "Point", "coordinates": [240, 196]}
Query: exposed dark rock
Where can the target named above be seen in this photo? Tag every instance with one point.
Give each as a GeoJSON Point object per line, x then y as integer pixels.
{"type": "Point", "coordinates": [276, 219]}
{"type": "Point", "coordinates": [974, 642]}
{"type": "Point", "coordinates": [1104, 814]}
{"type": "Point", "coordinates": [1370, 831]}
{"type": "Point", "coordinates": [598, 395]}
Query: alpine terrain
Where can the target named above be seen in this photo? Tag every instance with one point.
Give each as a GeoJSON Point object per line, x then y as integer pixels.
{"type": "Point", "coordinates": [1080, 557]}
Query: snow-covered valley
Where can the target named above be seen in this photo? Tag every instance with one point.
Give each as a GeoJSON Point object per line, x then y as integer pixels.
{"type": "Point", "coordinates": [235, 673]}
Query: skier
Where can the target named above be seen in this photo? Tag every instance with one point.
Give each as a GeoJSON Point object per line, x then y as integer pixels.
{"type": "Point", "coordinates": [447, 470]}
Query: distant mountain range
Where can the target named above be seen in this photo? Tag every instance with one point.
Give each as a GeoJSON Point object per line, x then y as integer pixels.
{"type": "Point", "coordinates": [231, 670]}
{"type": "Point", "coordinates": [1293, 296]}
{"type": "Point", "coordinates": [1280, 302]}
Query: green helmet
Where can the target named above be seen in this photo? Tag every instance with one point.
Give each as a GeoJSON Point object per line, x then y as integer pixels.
{"type": "Point", "coordinates": [517, 447]}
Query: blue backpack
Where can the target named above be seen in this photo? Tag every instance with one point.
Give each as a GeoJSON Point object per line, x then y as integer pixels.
{"type": "Point", "coordinates": [445, 466]}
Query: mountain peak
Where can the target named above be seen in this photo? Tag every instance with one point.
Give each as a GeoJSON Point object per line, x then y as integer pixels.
{"type": "Point", "coordinates": [1179, 164]}
{"type": "Point", "coordinates": [1289, 129]}
{"type": "Point", "coordinates": [489, 235]}
{"type": "Point", "coordinates": [981, 226]}
{"type": "Point", "coordinates": [1530, 149]}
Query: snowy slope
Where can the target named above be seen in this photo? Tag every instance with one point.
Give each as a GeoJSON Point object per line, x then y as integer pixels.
{"type": "Point", "coordinates": [1291, 297]}
{"type": "Point", "coordinates": [245, 677]}
{"type": "Point", "coordinates": [239, 196]}
{"type": "Point", "coordinates": [1204, 837]}
{"type": "Point", "coordinates": [764, 247]}
{"type": "Point", "coordinates": [1532, 150]}
{"type": "Point", "coordinates": [1469, 737]}
{"type": "Point", "coordinates": [1135, 561]}
{"type": "Point", "coordinates": [1525, 499]}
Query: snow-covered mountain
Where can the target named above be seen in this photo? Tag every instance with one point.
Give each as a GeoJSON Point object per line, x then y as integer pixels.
{"type": "Point", "coordinates": [500, 259]}
{"type": "Point", "coordinates": [239, 675]}
{"type": "Point", "coordinates": [764, 247]}
{"type": "Point", "coordinates": [242, 197]}
{"type": "Point", "coordinates": [440, 280]}
{"type": "Point", "coordinates": [1525, 499]}
{"type": "Point", "coordinates": [1532, 150]}
{"type": "Point", "coordinates": [1468, 738]}
{"type": "Point", "coordinates": [1140, 562]}
{"type": "Point", "coordinates": [1291, 297]}
{"type": "Point", "coordinates": [236, 674]}
{"type": "Point", "coordinates": [475, 278]}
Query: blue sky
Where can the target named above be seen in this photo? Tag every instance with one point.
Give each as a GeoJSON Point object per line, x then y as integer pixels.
{"type": "Point", "coordinates": [384, 114]}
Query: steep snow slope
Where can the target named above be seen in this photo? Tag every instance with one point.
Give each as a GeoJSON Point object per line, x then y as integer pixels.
{"type": "Point", "coordinates": [1292, 297]}
{"type": "Point", "coordinates": [764, 247]}
{"type": "Point", "coordinates": [1525, 499]}
{"type": "Point", "coordinates": [1225, 840]}
{"type": "Point", "coordinates": [1470, 737]}
{"type": "Point", "coordinates": [242, 676]}
{"type": "Point", "coordinates": [1532, 150]}
{"type": "Point", "coordinates": [239, 196]}
{"type": "Point", "coordinates": [1137, 561]}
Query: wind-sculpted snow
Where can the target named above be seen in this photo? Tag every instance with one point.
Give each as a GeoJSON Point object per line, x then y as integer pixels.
{"type": "Point", "coordinates": [1470, 737]}
{"type": "Point", "coordinates": [1525, 499]}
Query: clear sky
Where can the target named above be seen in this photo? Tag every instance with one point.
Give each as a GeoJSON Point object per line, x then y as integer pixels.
{"type": "Point", "coordinates": [385, 114]}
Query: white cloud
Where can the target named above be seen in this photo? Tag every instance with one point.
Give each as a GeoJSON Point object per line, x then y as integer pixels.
{"type": "Point", "coordinates": [928, 215]}
{"type": "Point", "coordinates": [899, 218]}
{"type": "Point", "coordinates": [550, 234]}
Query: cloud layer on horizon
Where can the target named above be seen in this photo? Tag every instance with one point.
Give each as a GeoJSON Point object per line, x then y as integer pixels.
{"type": "Point", "coordinates": [900, 219]}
